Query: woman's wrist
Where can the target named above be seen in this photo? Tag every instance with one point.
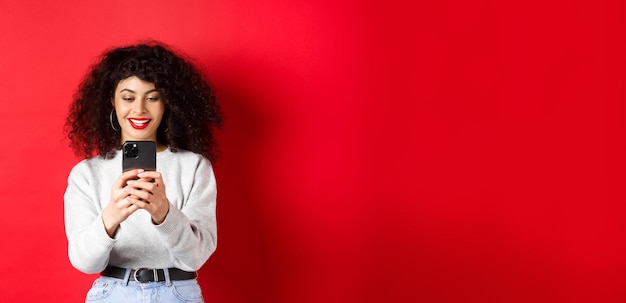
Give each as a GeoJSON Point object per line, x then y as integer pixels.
{"type": "Point", "coordinates": [160, 219]}
{"type": "Point", "coordinates": [111, 229]}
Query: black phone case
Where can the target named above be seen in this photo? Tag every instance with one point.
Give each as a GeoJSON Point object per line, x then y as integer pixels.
{"type": "Point", "coordinates": [139, 155]}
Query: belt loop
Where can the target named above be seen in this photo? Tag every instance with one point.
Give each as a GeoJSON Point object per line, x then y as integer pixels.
{"type": "Point", "coordinates": [166, 272]}
{"type": "Point", "coordinates": [126, 277]}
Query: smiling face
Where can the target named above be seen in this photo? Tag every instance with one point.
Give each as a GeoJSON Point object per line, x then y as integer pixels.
{"type": "Point", "coordinates": [139, 109]}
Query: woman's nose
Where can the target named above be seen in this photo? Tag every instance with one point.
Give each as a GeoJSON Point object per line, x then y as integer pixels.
{"type": "Point", "coordinates": [139, 107]}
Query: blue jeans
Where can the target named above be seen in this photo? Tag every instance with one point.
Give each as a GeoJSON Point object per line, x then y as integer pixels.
{"type": "Point", "coordinates": [107, 289]}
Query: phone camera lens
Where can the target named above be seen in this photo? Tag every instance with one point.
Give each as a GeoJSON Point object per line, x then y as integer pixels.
{"type": "Point", "coordinates": [131, 150]}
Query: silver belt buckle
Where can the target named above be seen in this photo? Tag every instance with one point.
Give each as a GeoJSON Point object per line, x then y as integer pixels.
{"type": "Point", "coordinates": [154, 273]}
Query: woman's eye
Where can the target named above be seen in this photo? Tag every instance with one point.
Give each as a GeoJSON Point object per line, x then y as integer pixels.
{"type": "Point", "coordinates": [127, 98]}
{"type": "Point", "coordinates": [153, 98]}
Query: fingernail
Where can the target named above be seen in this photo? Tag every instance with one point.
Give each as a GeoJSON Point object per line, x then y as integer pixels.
{"type": "Point", "coordinates": [130, 182]}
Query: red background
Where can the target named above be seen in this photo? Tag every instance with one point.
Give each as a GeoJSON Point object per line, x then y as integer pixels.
{"type": "Point", "coordinates": [429, 151]}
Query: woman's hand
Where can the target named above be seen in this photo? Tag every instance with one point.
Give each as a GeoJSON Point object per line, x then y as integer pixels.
{"type": "Point", "coordinates": [119, 207]}
{"type": "Point", "coordinates": [148, 192]}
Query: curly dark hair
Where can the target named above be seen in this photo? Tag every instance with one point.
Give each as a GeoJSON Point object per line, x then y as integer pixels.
{"type": "Point", "coordinates": [191, 111]}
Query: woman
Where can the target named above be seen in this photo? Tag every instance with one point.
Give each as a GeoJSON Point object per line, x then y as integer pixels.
{"type": "Point", "coordinates": [145, 232]}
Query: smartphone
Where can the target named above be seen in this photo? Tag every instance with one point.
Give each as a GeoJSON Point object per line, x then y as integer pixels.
{"type": "Point", "coordinates": [139, 155]}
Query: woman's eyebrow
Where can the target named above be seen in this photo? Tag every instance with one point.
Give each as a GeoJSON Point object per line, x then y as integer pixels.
{"type": "Point", "coordinates": [132, 91]}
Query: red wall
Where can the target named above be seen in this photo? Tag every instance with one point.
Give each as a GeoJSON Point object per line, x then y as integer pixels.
{"type": "Point", "coordinates": [438, 151]}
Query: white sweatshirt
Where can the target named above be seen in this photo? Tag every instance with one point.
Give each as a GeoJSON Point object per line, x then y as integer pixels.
{"type": "Point", "coordinates": [186, 238]}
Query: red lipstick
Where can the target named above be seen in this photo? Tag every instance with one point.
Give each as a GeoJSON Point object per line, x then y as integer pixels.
{"type": "Point", "coordinates": [139, 123]}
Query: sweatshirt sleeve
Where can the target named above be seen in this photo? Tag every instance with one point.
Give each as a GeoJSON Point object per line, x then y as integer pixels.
{"type": "Point", "coordinates": [89, 245]}
{"type": "Point", "coordinates": [190, 233]}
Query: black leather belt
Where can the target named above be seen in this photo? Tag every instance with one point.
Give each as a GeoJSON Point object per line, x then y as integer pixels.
{"type": "Point", "coordinates": [145, 275]}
